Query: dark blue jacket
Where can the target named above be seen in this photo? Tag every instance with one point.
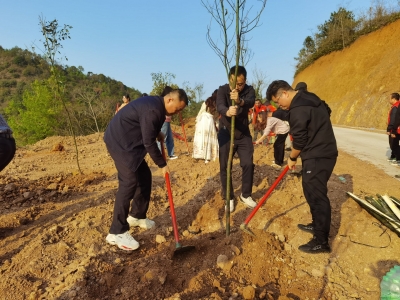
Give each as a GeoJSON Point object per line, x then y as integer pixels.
{"type": "Point", "coordinates": [132, 132]}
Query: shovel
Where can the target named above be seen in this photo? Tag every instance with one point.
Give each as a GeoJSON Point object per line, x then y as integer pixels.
{"type": "Point", "coordinates": [178, 246]}
{"type": "Point", "coordinates": [243, 226]}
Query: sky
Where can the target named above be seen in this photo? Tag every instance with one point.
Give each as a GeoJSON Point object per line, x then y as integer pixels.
{"type": "Point", "coordinates": [127, 40]}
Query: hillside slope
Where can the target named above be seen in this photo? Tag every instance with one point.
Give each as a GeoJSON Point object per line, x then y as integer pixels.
{"type": "Point", "coordinates": [357, 81]}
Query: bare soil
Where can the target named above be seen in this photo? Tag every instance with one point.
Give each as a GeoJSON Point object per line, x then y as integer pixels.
{"type": "Point", "coordinates": [53, 224]}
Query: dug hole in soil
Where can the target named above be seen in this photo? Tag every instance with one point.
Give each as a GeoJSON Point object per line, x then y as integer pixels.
{"type": "Point", "coordinates": [54, 222]}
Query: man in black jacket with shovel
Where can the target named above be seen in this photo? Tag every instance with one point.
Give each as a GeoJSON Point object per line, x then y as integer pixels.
{"type": "Point", "coordinates": [131, 134]}
{"type": "Point", "coordinates": [314, 141]}
{"type": "Point", "coordinates": [244, 97]}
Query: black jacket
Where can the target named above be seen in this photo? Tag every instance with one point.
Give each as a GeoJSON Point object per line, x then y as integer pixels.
{"type": "Point", "coordinates": [132, 132]}
{"type": "Point", "coordinates": [281, 114]}
{"type": "Point", "coordinates": [242, 119]}
{"type": "Point", "coordinates": [392, 119]}
{"type": "Point", "coordinates": [311, 127]}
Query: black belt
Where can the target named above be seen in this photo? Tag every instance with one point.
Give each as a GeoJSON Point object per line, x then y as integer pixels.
{"type": "Point", "coordinates": [6, 135]}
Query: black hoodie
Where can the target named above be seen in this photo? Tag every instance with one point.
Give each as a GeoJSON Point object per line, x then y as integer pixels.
{"type": "Point", "coordinates": [311, 127]}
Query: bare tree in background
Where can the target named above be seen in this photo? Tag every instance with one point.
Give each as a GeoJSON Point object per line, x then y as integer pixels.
{"type": "Point", "coordinates": [259, 82]}
{"type": "Point", "coordinates": [227, 13]}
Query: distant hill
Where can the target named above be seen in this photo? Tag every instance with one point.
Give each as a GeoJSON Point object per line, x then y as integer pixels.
{"type": "Point", "coordinates": [19, 68]}
{"type": "Point", "coordinates": [357, 81]}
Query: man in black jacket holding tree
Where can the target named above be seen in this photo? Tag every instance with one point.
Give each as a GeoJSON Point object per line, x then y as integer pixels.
{"type": "Point", "coordinates": [244, 97]}
{"type": "Point", "coordinates": [314, 141]}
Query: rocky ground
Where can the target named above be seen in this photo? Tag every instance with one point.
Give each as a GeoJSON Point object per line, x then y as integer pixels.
{"type": "Point", "coordinates": [54, 220]}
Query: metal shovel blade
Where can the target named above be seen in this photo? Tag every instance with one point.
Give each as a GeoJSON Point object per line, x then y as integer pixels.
{"type": "Point", "coordinates": [183, 249]}
{"type": "Point", "coordinates": [244, 227]}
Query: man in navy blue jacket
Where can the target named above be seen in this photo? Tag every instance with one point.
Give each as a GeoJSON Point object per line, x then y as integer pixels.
{"type": "Point", "coordinates": [244, 97]}
{"type": "Point", "coordinates": [314, 141]}
{"type": "Point", "coordinates": [131, 134]}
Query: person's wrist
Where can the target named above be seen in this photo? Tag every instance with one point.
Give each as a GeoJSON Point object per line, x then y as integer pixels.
{"type": "Point", "coordinates": [292, 159]}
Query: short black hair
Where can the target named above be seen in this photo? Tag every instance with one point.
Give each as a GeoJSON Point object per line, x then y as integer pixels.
{"type": "Point", "coordinates": [275, 86]}
{"type": "Point", "coordinates": [182, 95]}
{"type": "Point", "coordinates": [167, 89]}
{"type": "Point", "coordinates": [395, 96]}
{"type": "Point", "coordinates": [241, 71]}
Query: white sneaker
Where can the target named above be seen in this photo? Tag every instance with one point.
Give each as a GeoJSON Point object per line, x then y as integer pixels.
{"type": "Point", "coordinates": [142, 223]}
{"type": "Point", "coordinates": [124, 241]}
{"type": "Point", "coordinates": [173, 157]}
{"type": "Point", "coordinates": [231, 205]}
{"type": "Point", "coordinates": [248, 201]}
{"type": "Point", "coordinates": [276, 166]}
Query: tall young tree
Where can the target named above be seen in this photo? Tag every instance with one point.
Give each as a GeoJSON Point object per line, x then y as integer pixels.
{"type": "Point", "coordinates": [53, 37]}
{"type": "Point", "coordinates": [235, 22]}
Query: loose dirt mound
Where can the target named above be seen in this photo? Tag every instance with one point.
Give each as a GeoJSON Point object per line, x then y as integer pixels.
{"type": "Point", "coordinates": [54, 221]}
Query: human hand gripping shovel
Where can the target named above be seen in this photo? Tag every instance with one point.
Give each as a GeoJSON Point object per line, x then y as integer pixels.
{"type": "Point", "coordinates": [178, 247]}
{"type": "Point", "coordinates": [243, 226]}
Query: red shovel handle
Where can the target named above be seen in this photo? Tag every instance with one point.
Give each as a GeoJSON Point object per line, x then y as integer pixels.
{"type": "Point", "coordinates": [255, 209]}
{"type": "Point", "coordinates": [170, 200]}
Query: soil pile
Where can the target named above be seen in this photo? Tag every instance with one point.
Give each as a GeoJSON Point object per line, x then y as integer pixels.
{"type": "Point", "coordinates": [53, 224]}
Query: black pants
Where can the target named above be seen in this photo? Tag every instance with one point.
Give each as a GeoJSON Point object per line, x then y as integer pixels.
{"type": "Point", "coordinates": [394, 146]}
{"type": "Point", "coordinates": [279, 148]}
{"type": "Point", "coordinates": [244, 148]}
{"type": "Point", "coordinates": [7, 151]}
{"type": "Point", "coordinates": [316, 173]}
{"type": "Point", "coordinates": [131, 185]}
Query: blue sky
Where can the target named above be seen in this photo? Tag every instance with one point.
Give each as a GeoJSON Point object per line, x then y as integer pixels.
{"type": "Point", "coordinates": [129, 40]}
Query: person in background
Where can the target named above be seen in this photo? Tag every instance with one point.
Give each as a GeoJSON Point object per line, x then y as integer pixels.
{"type": "Point", "coordinates": [281, 130]}
{"type": "Point", "coordinates": [315, 142]}
{"type": "Point", "coordinates": [396, 134]}
{"type": "Point", "coordinates": [269, 106]}
{"type": "Point", "coordinates": [301, 86]}
{"type": "Point", "coordinates": [7, 144]}
{"type": "Point", "coordinates": [125, 100]}
{"type": "Point", "coordinates": [391, 129]}
{"type": "Point", "coordinates": [205, 142]}
{"type": "Point", "coordinates": [258, 107]}
{"type": "Point", "coordinates": [261, 123]}
{"type": "Point", "coordinates": [166, 130]}
{"type": "Point", "coordinates": [244, 97]}
{"type": "Point", "coordinates": [131, 134]}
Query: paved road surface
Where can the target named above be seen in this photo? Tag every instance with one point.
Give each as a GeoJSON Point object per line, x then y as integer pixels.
{"type": "Point", "coordinates": [368, 146]}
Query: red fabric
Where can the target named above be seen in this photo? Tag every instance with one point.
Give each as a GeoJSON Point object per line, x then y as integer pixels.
{"type": "Point", "coordinates": [271, 108]}
{"type": "Point", "coordinates": [256, 111]}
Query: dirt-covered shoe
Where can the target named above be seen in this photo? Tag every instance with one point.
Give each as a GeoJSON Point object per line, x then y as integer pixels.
{"type": "Point", "coordinates": [124, 241]}
{"type": "Point", "coordinates": [315, 246]}
{"type": "Point", "coordinates": [276, 166]}
{"type": "Point", "coordinates": [307, 228]}
{"type": "Point", "coordinates": [391, 159]}
{"type": "Point", "coordinates": [142, 223]}
{"type": "Point", "coordinates": [248, 201]}
{"type": "Point", "coordinates": [231, 205]}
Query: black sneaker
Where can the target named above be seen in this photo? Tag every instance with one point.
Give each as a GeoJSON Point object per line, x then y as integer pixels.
{"type": "Point", "coordinates": [314, 246]}
{"type": "Point", "coordinates": [308, 228]}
